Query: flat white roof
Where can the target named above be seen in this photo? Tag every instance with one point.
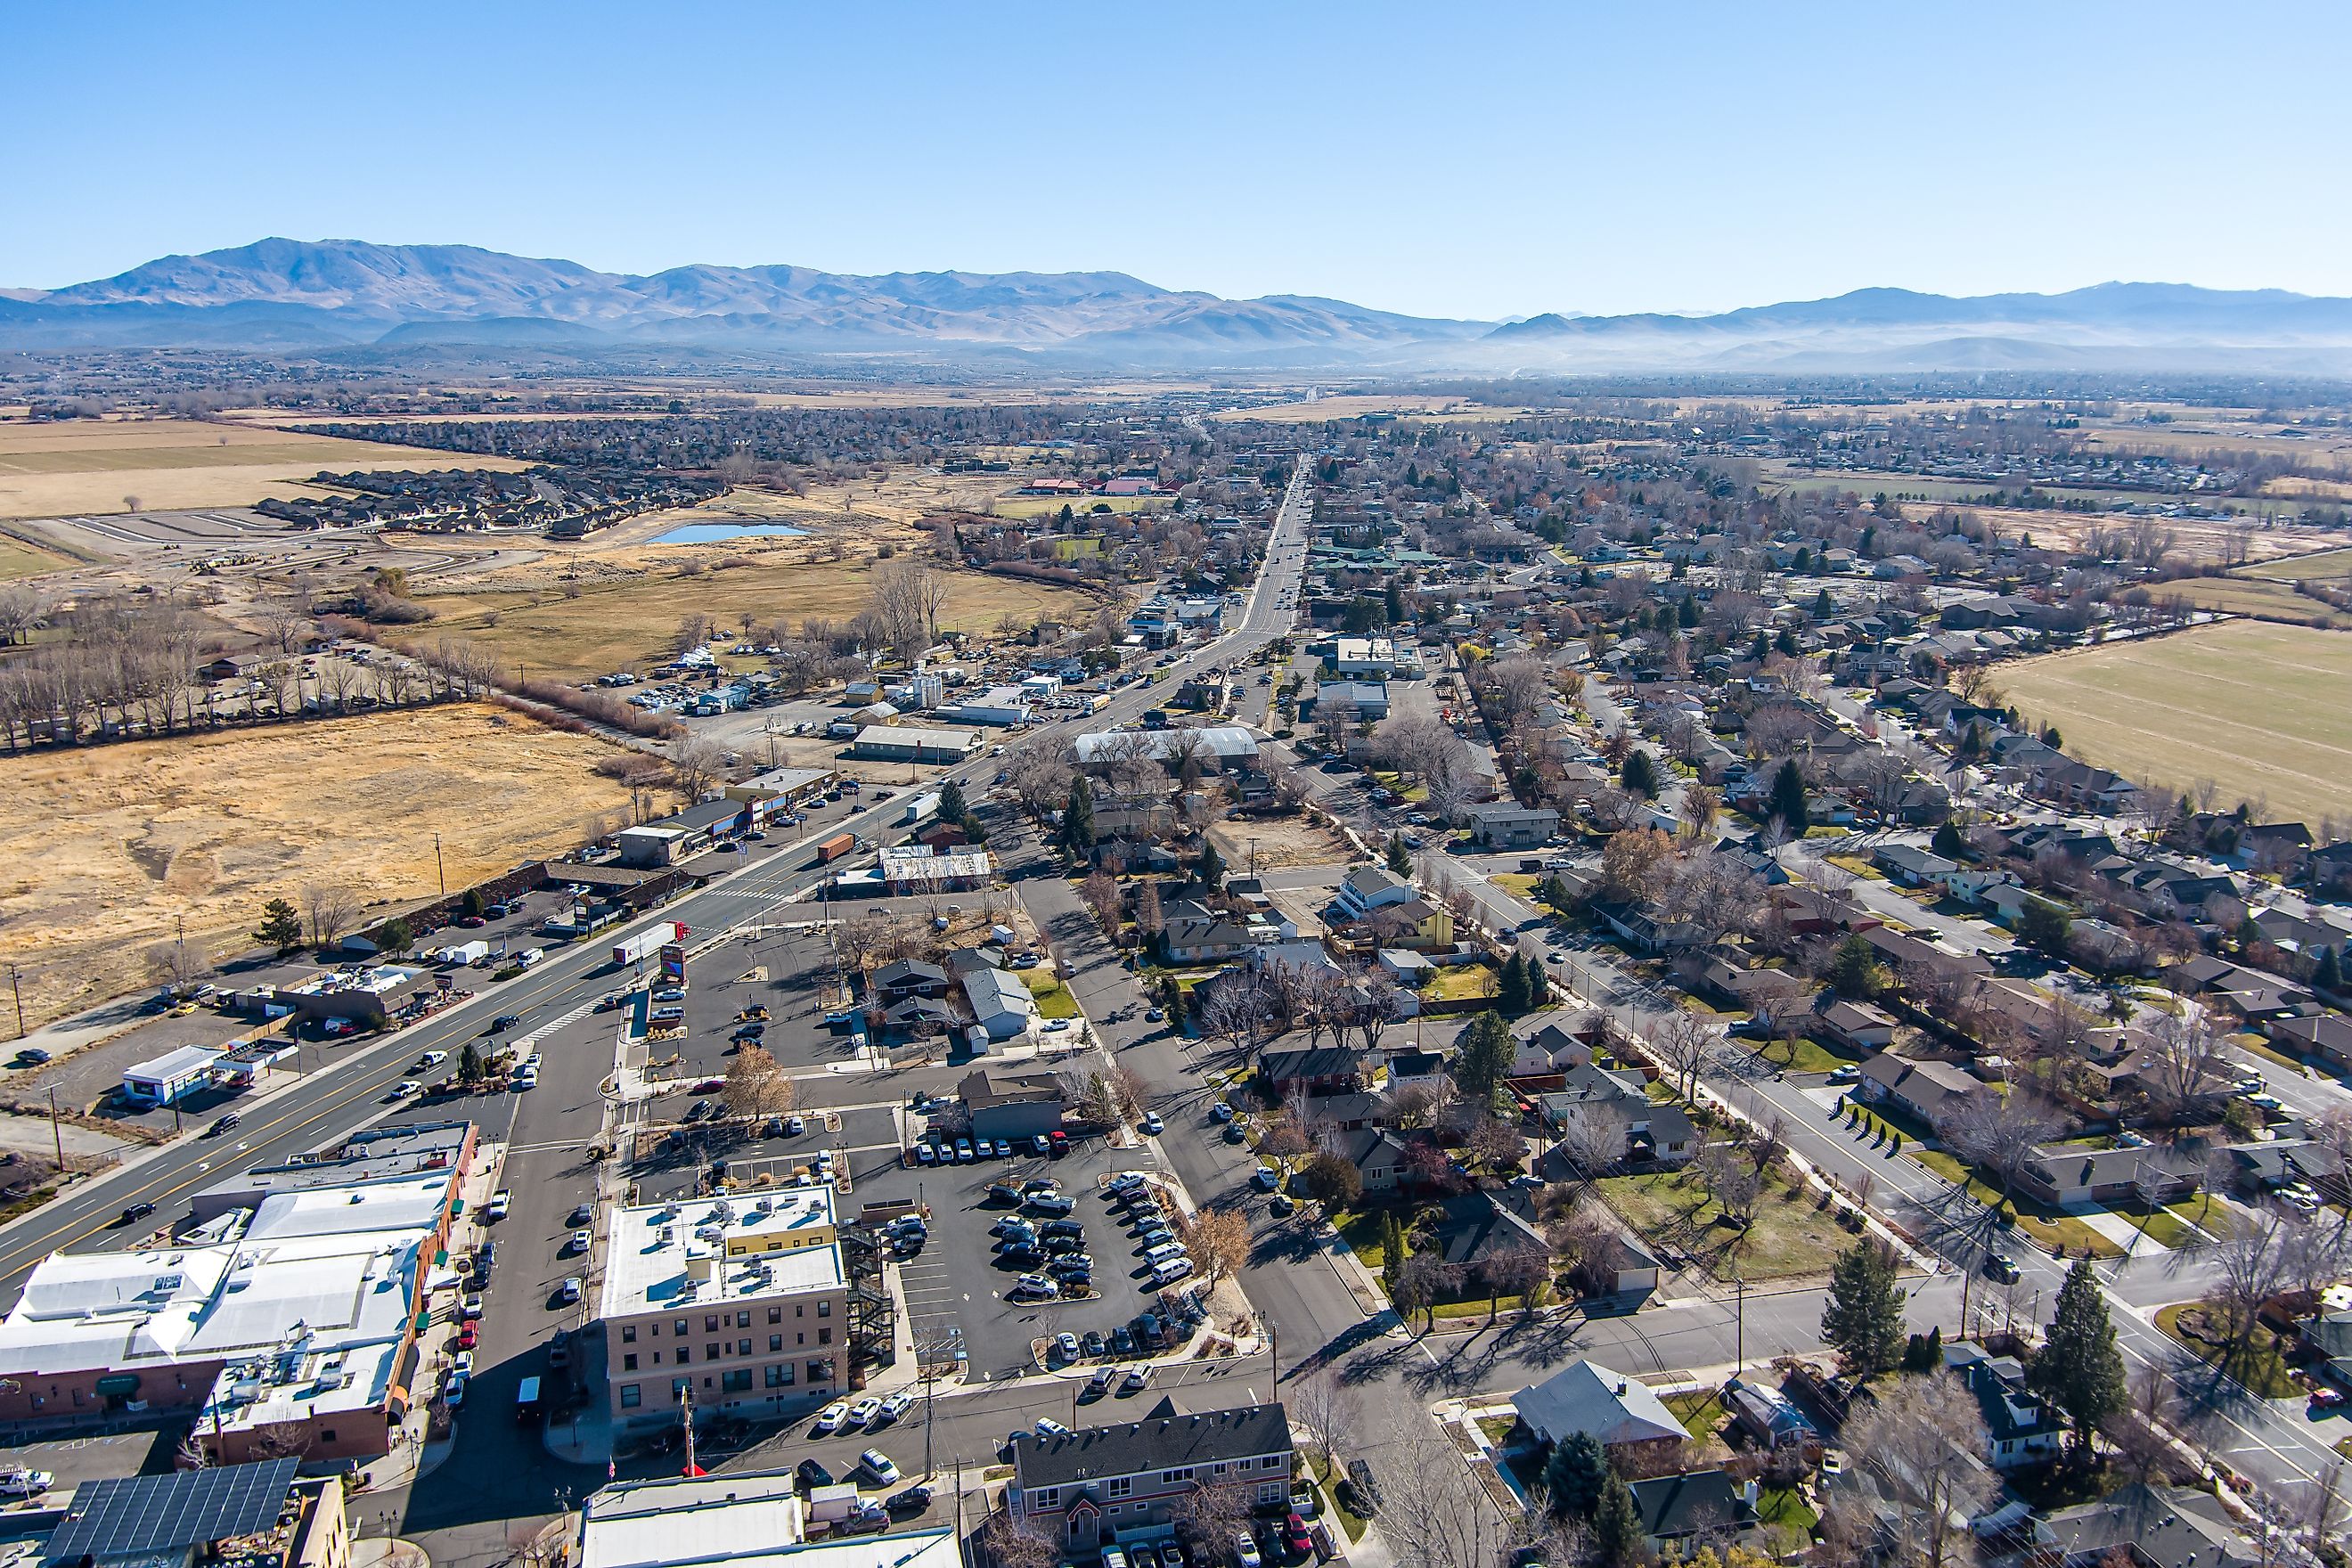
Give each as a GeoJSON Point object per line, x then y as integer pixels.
{"type": "Point", "coordinates": [401, 1203]}
{"type": "Point", "coordinates": [643, 1272]}
{"type": "Point", "coordinates": [908, 735]}
{"type": "Point", "coordinates": [746, 1519]}
{"type": "Point", "coordinates": [174, 1063]}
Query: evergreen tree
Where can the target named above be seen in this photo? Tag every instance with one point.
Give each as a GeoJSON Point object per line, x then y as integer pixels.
{"type": "Point", "coordinates": [1803, 562]}
{"type": "Point", "coordinates": [2045, 925]}
{"type": "Point", "coordinates": [1395, 601]}
{"type": "Point", "coordinates": [2078, 1368]}
{"type": "Point", "coordinates": [951, 807]}
{"type": "Point", "coordinates": [396, 936]}
{"type": "Point", "coordinates": [1787, 801]}
{"type": "Point", "coordinates": [1640, 774]}
{"type": "Point", "coordinates": [471, 904]}
{"type": "Point", "coordinates": [1078, 820]}
{"type": "Point", "coordinates": [1948, 842]}
{"type": "Point", "coordinates": [1686, 616]}
{"type": "Point", "coordinates": [1760, 648]}
{"type": "Point", "coordinates": [1538, 986]}
{"type": "Point", "coordinates": [1575, 1477]}
{"type": "Point", "coordinates": [1511, 996]}
{"type": "Point", "coordinates": [469, 1064]}
{"type": "Point", "coordinates": [1483, 1055]}
{"type": "Point", "coordinates": [1824, 608]}
{"type": "Point", "coordinates": [1618, 1539]}
{"type": "Point", "coordinates": [281, 927]}
{"type": "Point", "coordinates": [2053, 739]}
{"type": "Point", "coordinates": [1392, 1253]}
{"type": "Point", "coordinates": [1787, 643]}
{"type": "Point", "coordinates": [2328, 974]}
{"type": "Point", "coordinates": [1399, 859]}
{"type": "Point", "coordinates": [1863, 1319]}
{"type": "Point", "coordinates": [1211, 867]}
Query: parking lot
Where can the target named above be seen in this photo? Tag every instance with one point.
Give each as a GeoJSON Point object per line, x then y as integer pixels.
{"type": "Point", "coordinates": [956, 1285]}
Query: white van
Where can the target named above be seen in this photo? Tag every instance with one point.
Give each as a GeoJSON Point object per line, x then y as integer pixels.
{"type": "Point", "coordinates": [529, 957]}
{"type": "Point", "coordinates": [1156, 1256]}
{"type": "Point", "coordinates": [1171, 1271]}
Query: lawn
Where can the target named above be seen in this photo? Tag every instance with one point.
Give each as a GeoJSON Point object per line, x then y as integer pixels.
{"type": "Point", "coordinates": [1700, 1410]}
{"type": "Point", "coordinates": [1804, 1053]}
{"type": "Point", "coordinates": [1788, 1237]}
{"type": "Point", "coordinates": [1519, 884]}
{"type": "Point", "coordinates": [2260, 1366]}
{"type": "Point", "coordinates": [1460, 982]}
{"type": "Point", "coordinates": [1054, 998]}
{"type": "Point", "coordinates": [1360, 1229]}
{"type": "Point", "coordinates": [2258, 707]}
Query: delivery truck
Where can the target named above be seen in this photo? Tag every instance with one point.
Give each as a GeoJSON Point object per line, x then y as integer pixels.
{"type": "Point", "coordinates": [834, 847]}
{"type": "Point", "coordinates": [648, 943]}
{"type": "Point", "coordinates": [921, 808]}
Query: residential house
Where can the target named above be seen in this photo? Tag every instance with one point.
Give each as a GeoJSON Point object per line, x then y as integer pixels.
{"type": "Point", "coordinates": [1768, 1415]}
{"type": "Point", "coordinates": [1682, 1513]}
{"type": "Point", "coordinates": [2019, 1428]}
{"type": "Point", "coordinates": [1912, 866]}
{"type": "Point", "coordinates": [1856, 1026]}
{"type": "Point", "coordinates": [1000, 1003]}
{"type": "Point", "coordinates": [1378, 1153]}
{"type": "Point", "coordinates": [1485, 1224]}
{"type": "Point", "coordinates": [2265, 1167]}
{"type": "Point", "coordinates": [918, 1017]}
{"type": "Point", "coordinates": [1597, 1112]}
{"type": "Point", "coordinates": [1210, 939]}
{"type": "Point", "coordinates": [1368, 887]}
{"type": "Point", "coordinates": [907, 977]}
{"type": "Point", "coordinates": [2147, 1526]}
{"type": "Point", "coordinates": [1558, 1047]}
{"type": "Point", "coordinates": [1632, 1422]}
{"type": "Point", "coordinates": [2328, 1035]}
{"type": "Point", "coordinates": [1416, 923]}
{"type": "Point", "coordinates": [1513, 826]}
{"type": "Point", "coordinates": [2071, 1174]}
{"type": "Point", "coordinates": [1928, 1090]}
{"type": "Point", "coordinates": [1319, 1070]}
{"type": "Point", "coordinates": [1126, 1481]}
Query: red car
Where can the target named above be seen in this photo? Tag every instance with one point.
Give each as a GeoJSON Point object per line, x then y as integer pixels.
{"type": "Point", "coordinates": [1295, 1539]}
{"type": "Point", "coordinates": [472, 922]}
{"type": "Point", "coordinates": [2325, 1398]}
{"type": "Point", "coordinates": [710, 1086]}
{"type": "Point", "coordinates": [467, 1338]}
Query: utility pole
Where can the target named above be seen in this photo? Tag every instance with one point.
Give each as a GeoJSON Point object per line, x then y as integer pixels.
{"type": "Point", "coordinates": [439, 869]}
{"type": "Point", "coordinates": [54, 1130]}
{"type": "Point", "coordinates": [17, 991]}
{"type": "Point", "coordinates": [1740, 1326]}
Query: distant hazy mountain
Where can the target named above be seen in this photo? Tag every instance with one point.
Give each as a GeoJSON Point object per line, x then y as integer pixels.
{"type": "Point", "coordinates": [283, 295]}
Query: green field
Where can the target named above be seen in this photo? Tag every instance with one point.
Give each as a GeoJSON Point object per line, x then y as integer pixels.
{"type": "Point", "coordinates": [2326, 564]}
{"type": "Point", "coordinates": [2258, 707]}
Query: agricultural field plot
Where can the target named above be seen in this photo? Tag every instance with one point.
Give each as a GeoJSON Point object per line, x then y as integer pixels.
{"type": "Point", "coordinates": [2325, 565]}
{"type": "Point", "coordinates": [108, 846]}
{"type": "Point", "coordinates": [1017, 506]}
{"type": "Point", "coordinates": [2257, 707]}
{"type": "Point", "coordinates": [628, 616]}
{"type": "Point", "coordinates": [20, 558]}
{"type": "Point", "coordinates": [97, 466]}
{"type": "Point", "coordinates": [2265, 599]}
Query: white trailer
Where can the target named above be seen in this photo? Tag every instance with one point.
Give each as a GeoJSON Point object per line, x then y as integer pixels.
{"type": "Point", "coordinates": [647, 943]}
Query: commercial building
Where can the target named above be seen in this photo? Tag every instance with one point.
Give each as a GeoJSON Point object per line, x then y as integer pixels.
{"type": "Point", "coordinates": [898, 743]}
{"type": "Point", "coordinates": [1087, 1489]}
{"type": "Point", "coordinates": [443, 1150]}
{"type": "Point", "coordinates": [998, 705]}
{"type": "Point", "coordinates": [742, 1521]}
{"type": "Point", "coordinates": [1226, 747]}
{"type": "Point", "coordinates": [747, 1301]}
{"type": "Point", "coordinates": [259, 1515]}
{"type": "Point", "coordinates": [298, 1316]}
{"type": "Point", "coordinates": [365, 995]}
{"type": "Point", "coordinates": [1011, 1105]}
{"type": "Point", "coordinates": [171, 1078]}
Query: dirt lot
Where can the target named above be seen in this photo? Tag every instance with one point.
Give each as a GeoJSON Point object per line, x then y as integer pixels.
{"type": "Point", "coordinates": [2257, 707]}
{"type": "Point", "coordinates": [579, 614]}
{"type": "Point", "coordinates": [93, 466]}
{"type": "Point", "coordinates": [107, 847]}
{"type": "Point", "coordinates": [1282, 841]}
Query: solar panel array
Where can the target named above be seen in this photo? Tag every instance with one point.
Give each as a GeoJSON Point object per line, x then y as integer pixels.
{"type": "Point", "coordinates": [136, 1516]}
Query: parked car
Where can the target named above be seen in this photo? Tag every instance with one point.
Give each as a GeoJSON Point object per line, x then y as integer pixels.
{"type": "Point", "coordinates": [909, 1500]}
{"type": "Point", "coordinates": [500, 1203]}
{"type": "Point", "coordinates": [879, 1464]}
{"type": "Point", "coordinates": [26, 1483]}
{"type": "Point", "coordinates": [811, 1475]}
{"type": "Point", "coordinates": [828, 1421]}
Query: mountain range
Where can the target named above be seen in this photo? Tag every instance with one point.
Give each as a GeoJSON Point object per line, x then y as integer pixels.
{"type": "Point", "coordinates": [352, 298]}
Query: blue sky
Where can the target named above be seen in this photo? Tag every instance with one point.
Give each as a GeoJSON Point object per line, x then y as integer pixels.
{"type": "Point", "coordinates": [1460, 160]}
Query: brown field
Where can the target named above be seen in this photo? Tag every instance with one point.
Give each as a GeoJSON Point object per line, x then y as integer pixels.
{"type": "Point", "coordinates": [1348, 406]}
{"type": "Point", "coordinates": [1281, 841]}
{"type": "Point", "coordinates": [107, 846]}
{"type": "Point", "coordinates": [2259, 709]}
{"type": "Point", "coordinates": [92, 466]}
{"type": "Point", "coordinates": [625, 616]}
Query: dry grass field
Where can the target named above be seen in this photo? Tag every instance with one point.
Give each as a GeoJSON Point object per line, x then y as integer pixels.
{"type": "Point", "coordinates": [1039, 506]}
{"type": "Point", "coordinates": [107, 847]}
{"type": "Point", "coordinates": [92, 466]}
{"type": "Point", "coordinates": [20, 559]}
{"type": "Point", "coordinates": [623, 618]}
{"type": "Point", "coordinates": [1282, 841]}
{"type": "Point", "coordinates": [2257, 707]}
{"type": "Point", "coordinates": [2263, 598]}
